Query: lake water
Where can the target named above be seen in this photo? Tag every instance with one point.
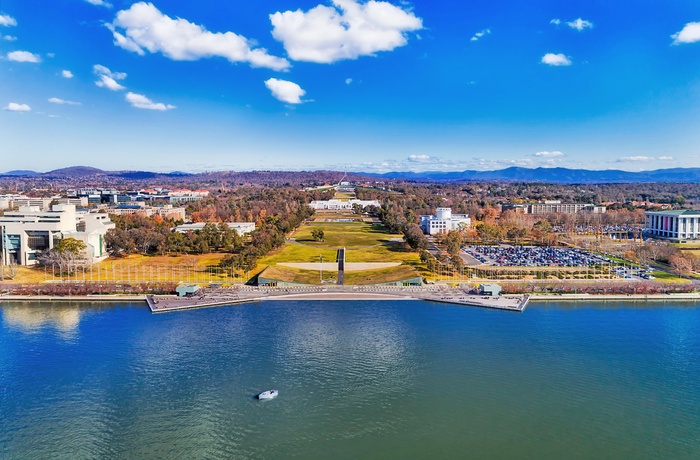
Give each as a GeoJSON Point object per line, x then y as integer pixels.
{"type": "Point", "coordinates": [399, 379]}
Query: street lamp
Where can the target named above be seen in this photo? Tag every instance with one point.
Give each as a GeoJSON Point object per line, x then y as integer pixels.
{"type": "Point", "coordinates": [320, 270]}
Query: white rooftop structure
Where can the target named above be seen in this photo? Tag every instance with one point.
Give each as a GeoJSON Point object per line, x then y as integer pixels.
{"type": "Point", "coordinates": [241, 228]}
{"type": "Point", "coordinates": [443, 221]}
{"type": "Point", "coordinates": [339, 205]}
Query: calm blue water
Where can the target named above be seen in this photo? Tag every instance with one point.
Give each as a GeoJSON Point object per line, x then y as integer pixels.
{"type": "Point", "coordinates": [356, 379]}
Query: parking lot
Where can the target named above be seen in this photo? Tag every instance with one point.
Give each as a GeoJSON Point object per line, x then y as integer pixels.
{"type": "Point", "coordinates": [533, 256]}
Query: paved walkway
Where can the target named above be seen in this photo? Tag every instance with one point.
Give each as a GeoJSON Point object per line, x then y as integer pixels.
{"type": "Point", "coordinates": [434, 293]}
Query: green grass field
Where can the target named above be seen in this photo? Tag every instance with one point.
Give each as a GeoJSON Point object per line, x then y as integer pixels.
{"type": "Point", "coordinates": [295, 275]}
{"type": "Point", "coordinates": [385, 275]}
{"type": "Point", "coordinates": [344, 196]}
{"type": "Point", "coordinates": [665, 277]}
{"type": "Point", "coordinates": [344, 234]}
{"type": "Point", "coordinates": [363, 241]}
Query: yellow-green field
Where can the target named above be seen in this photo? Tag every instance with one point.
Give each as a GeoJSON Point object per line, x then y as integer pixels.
{"type": "Point", "coordinates": [385, 275]}
{"type": "Point", "coordinates": [137, 268]}
{"type": "Point", "coordinates": [300, 276]}
{"type": "Point", "coordinates": [344, 234]}
{"type": "Point", "coordinates": [344, 196]}
{"type": "Point", "coordinates": [364, 242]}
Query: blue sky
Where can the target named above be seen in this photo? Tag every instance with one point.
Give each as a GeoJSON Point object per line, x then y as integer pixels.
{"type": "Point", "coordinates": [344, 84]}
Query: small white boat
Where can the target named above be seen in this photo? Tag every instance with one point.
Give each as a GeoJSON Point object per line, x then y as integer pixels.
{"type": "Point", "coordinates": [269, 394]}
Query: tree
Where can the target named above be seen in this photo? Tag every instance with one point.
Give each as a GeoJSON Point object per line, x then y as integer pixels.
{"type": "Point", "coordinates": [489, 232]}
{"type": "Point", "coordinates": [119, 242]}
{"type": "Point", "coordinates": [317, 234]}
{"type": "Point", "coordinates": [454, 243]}
{"type": "Point", "coordinates": [414, 237]}
{"type": "Point", "coordinates": [70, 246]}
{"type": "Point", "coordinates": [68, 254]}
{"type": "Point", "coordinates": [681, 264]}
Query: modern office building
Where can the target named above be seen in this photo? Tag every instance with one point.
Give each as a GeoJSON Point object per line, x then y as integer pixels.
{"type": "Point", "coordinates": [678, 225]}
{"type": "Point", "coordinates": [444, 221]}
{"type": "Point", "coordinates": [242, 228]}
{"type": "Point", "coordinates": [167, 211]}
{"type": "Point", "coordinates": [29, 231]}
{"type": "Point", "coordinates": [42, 203]}
{"type": "Point", "coordinates": [554, 207]}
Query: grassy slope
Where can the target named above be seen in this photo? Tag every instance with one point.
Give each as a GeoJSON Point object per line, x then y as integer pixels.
{"type": "Point", "coordinates": [295, 275]}
{"type": "Point", "coordinates": [155, 268]}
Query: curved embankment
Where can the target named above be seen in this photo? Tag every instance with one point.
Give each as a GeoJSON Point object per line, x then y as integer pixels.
{"type": "Point", "coordinates": [444, 294]}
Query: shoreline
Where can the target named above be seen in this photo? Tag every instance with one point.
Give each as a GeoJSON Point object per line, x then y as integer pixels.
{"type": "Point", "coordinates": [364, 296]}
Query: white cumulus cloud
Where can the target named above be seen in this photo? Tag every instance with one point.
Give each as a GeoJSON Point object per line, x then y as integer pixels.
{"type": "Point", "coordinates": [285, 91]}
{"type": "Point", "coordinates": [478, 35]}
{"type": "Point", "coordinates": [639, 158]}
{"type": "Point", "coordinates": [107, 78]}
{"type": "Point", "coordinates": [555, 21]}
{"type": "Point", "coordinates": [666, 158]}
{"type": "Point", "coordinates": [55, 100]}
{"type": "Point", "coordinates": [9, 38]}
{"type": "Point", "coordinates": [99, 3]}
{"type": "Point", "coordinates": [7, 20]}
{"type": "Point", "coordinates": [66, 74]}
{"type": "Point", "coordinates": [102, 70]}
{"type": "Point", "coordinates": [547, 154]}
{"type": "Point", "coordinates": [346, 30]}
{"type": "Point", "coordinates": [689, 34]}
{"type": "Point", "coordinates": [144, 28]}
{"type": "Point", "coordinates": [142, 102]}
{"type": "Point", "coordinates": [15, 107]}
{"type": "Point", "coordinates": [580, 24]}
{"type": "Point", "coordinates": [348, 81]}
{"type": "Point", "coordinates": [556, 59]}
{"type": "Point", "coordinates": [23, 56]}
{"type": "Point", "coordinates": [420, 158]}
{"type": "Point", "coordinates": [109, 83]}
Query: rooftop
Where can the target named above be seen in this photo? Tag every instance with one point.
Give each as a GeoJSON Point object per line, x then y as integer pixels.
{"type": "Point", "coordinates": [677, 212]}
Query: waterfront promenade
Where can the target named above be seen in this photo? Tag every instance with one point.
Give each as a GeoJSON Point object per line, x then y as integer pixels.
{"type": "Point", "coordinates": [211, 297]}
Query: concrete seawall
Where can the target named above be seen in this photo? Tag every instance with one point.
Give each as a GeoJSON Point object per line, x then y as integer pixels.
{"type": "Point", "coordinates": [442, 294]}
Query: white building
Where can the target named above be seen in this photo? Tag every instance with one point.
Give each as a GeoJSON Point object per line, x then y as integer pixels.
{"type": "Point", "coordinates": [554, 207]}
{"type": "Point", "coordinates": [29, 231]}
{"type": "Point", "coordinates": [242, 228]}
{"type": "Point", "coordinates": [673, 225]}
{"type": "Point", "coordinates": [184, 196]}
{"type": "Point", "coordinates": [15, 201]}
{"type": "Point", "coordinates": [167, 211]}
{"type": "Point", "coordinates": [339, 205]}
{"type": "Point", "coordinates": [444, 221]}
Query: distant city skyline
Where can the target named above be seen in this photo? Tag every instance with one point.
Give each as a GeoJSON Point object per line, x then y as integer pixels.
{"type": "Point", "coordinates": [366, 86]}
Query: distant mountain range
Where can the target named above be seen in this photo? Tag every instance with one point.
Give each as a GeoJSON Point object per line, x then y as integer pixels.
{"type": "Point", "coordinates": [79, 172]}
{"type": "Point", "coordinates": [513, 174]}
{"type": "Point", "coordinates": [552, 175]}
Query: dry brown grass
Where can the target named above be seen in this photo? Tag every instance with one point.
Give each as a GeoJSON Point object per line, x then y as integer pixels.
{"type": "Point", "coordinates": [136, 268]}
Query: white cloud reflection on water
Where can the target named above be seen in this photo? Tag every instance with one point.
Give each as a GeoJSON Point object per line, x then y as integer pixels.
{"type": "Point", "coordinates": [34, 317]}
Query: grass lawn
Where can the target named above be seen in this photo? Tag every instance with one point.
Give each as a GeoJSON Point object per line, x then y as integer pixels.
{"type": "Point", "coordinates": [384, 275]}
{"type": "Point", "coordinates": [693, 245]}
{"type": "Point", "coordinates": [344, 234]}
{"type": "Point", "coordinates": [363, 242]}
{"type": "Point", "coordinates": [344, 196]}
{"type": "Point", "coordinates": [295, 275]}
{"type": "Point", "coordinates": [664, 277]}
{"type": "Point", "coordinates": [138, 268]}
